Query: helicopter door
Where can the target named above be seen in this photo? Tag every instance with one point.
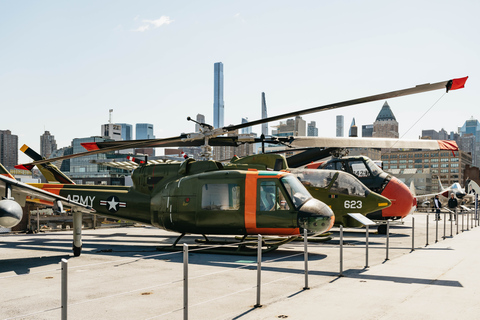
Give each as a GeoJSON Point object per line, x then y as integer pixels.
{"type": "Point", "coordinates": [220, 207]}
{"type": "Point", "coordinates": [273, 209]}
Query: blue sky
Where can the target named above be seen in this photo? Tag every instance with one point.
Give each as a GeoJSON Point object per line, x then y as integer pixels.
{"type": "Point", "coordinates": [64, 64]}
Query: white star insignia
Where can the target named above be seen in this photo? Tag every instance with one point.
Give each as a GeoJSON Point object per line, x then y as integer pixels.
{"type": "Point", "coordinates": [112, 204]}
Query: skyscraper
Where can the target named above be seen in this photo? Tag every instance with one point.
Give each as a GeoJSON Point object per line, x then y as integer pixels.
{"type": "Point", "coordinates": [312, 130]}
{"type": "Point", "coordinates": [385, 126]}
{"type": "Point", "coordinates": [112, 131]}
{"type": "Point", "coordinates": [246, 130]}
{"type": "Point", "coordinates": [144, 131]}
{"type": "Point", "coordinates": [264, 115]}
{"type": "Point", "coordinates": [8, 148]}
{"type": "Point", "coordinates": [127, 131]}
{"type": "Point", "coordinates": [472, 128]}
{"type": "Point", "coordinates": [218, 104]}
{"type": "Point", "coordinates": [367, 130]}
{"type": "Point", "coordinates": [353, 131]}
{"type": "Point", "coordinates": [47, 144]}
{"type": "Point", "coordinates": [339, 126]}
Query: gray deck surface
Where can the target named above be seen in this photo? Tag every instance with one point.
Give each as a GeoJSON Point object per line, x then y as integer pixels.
{"type": "Point", "coordinates": [120, 275]}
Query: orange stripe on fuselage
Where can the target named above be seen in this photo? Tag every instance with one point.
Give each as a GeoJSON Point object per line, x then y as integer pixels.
{"type": "Point", "coordinates": [251, 207]}
{"type": "Point", "coordinates": [50, 187]}
{"type": "Point", "coordinates": [251, 200]}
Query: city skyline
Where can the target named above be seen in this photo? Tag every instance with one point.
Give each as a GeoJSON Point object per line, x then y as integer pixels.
{"type": "Point", "coordinates": [145, 60]}
{"type": "Point", "coordinates": [145, 130]}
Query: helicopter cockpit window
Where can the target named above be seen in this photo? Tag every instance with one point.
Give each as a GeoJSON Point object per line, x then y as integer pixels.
{"type": "Point", "coordinates": [314, 178]}
{"type": "Point", "coordinates": [271, 197]}
{"type": "Point", "coordinates": [297, 192]}
{"type": "Point", "coordinates": [347, 184]}
{"type": "Point", "coordinates": [221, 196]}
{"type": "Point", "coordinates": [373, 167]}
{"type": "Point", "coordinates": [336, 165]}
{"type": "Point", "coordinates": [359, 169]}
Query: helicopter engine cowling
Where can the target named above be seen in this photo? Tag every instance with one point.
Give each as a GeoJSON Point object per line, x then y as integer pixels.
{"type": "Point", "coordinates": [10, 213]}
{"type": "Point", "coordinates": [315, 216]}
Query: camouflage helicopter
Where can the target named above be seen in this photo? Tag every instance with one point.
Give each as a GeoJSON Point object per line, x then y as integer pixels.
{"type": "Point", "coordinates": [204, 197]}
{"type": "Point", "coordinates": [339, 190]}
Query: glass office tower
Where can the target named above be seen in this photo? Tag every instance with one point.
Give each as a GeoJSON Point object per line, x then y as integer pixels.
{"type": "Point", "coordinates": [218, 104]}
{"type": "Point", "coordinates": [144, 131]}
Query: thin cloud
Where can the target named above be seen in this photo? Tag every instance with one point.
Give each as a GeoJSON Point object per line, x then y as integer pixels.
{"type": "Point", "coordinates": [142, 28]}
{"type": "Point", "coordinates": [239, 17]}
{"type": "Point", "coordinates": [153, 24]}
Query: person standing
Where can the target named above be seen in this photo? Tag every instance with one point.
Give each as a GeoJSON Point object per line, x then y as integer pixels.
{"type": "Point", "coordinates": [452, 205]}
{"type": "Point", "coordinates": [437, 205]}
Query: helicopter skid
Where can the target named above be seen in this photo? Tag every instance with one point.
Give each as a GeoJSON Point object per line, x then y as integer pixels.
{"type": "Point", "coordinates": [223, 248]}
{"type": "Point", "coordinates": [241, 247]}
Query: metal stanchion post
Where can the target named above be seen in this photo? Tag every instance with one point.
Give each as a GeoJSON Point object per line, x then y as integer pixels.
{"type": "Point", "coordinates": [436, 227]}
{"type": "Point", "coordinates": [64, 288]}
{"type": "Point", "coordinates": [468, 221]}
{"type": "Point", "coordinates": [426, 244]}
{"type": "Point", "coordinates": [185, 281]}
{"type": "Point", "coordinates": [305, 242]}
{"type": "Point", "coordinates": [444, 224]}
{"type": "Point", "coordinates": [388, 239]}
{"type": "Point", "coordinates": [413, 233]}
{"type": "Point", "coordinates": [451, 226]}
{"type": "Point", "coordinates": [456, 219]}
{"type": "Point", "coordinates": [476, 208]}
{"type": "Point", "coordinates": [259, 270]}
{"type": "Point", "coordinates": [366, 247]}
{"type": "Point", "coordinates": [463, 213]}
{"type": "Point", "coordinates": [341, 251]}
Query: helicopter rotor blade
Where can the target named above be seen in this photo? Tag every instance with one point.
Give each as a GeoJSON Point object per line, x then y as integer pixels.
{"type": "Point", "coordinates": [116, 145]}
{"type": "Point", "coordinates": [195, 139]}
{"type": "Point", "coordinates": [180, 141]}
{"type": "Point", "coordinates": [452, 84]}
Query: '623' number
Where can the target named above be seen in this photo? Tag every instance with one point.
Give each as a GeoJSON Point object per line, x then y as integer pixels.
{"type": "Point", "coordinates": [353, 204]}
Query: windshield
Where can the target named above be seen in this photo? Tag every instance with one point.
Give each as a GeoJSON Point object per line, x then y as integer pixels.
{"type": "Point", "coordinates": [343, 183]}
{"type": "Point", "coordinates": [297, 192]}
{"type": "Point", "coordinates": [373, 167]}
{"type": "Point", "coordinates": [348, 184]}
{"type": "Point", "coordinates": [317, 178]}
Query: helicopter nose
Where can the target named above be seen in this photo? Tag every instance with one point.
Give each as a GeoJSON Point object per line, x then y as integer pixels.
{"type": "Point", "coordinates": [315, 216]}
{"type": "Point", "coordinates": [401, 198]}
{"type": "Point", "coordinates": [376, 201]}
